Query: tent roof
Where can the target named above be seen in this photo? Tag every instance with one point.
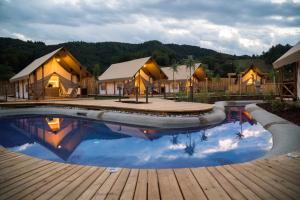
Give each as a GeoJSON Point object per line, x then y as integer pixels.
{"type": "Point", "coordinates": [182, 73]}
{"type": "Point", "coordinates": [24, 73]}
{"type": "Point", "coordinates": [289, 57]}
{"type": "Point", "coordinates": [123, 70]}
{"type": "Point", "coordinates": [33, 66]}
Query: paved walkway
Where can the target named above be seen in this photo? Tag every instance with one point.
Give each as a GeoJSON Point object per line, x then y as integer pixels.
{"type": "Point", "coordinates": [155, 105]}
{"type": "Point", "coordinates": [24, 177]}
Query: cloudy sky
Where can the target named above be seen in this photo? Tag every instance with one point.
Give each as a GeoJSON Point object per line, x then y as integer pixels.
{"type": "Point", "coordinates": [231, 26]}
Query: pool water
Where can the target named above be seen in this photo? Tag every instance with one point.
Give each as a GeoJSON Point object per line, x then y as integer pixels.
{"type": "Point", "coordinates": [89, 142]}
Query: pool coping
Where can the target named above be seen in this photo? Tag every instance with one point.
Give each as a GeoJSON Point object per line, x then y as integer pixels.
{"type": "Point", "coordinates": [285, 134]}
{"type": "Point", "coordinates": [216, 116]}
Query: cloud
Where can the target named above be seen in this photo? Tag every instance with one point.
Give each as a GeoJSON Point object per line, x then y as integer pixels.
{"type": "Point", "coordinates": [224, 145]}
{"type": "Point", "coordinates": [237, 27]}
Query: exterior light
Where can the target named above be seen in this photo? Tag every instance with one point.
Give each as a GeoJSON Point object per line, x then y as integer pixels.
{"type": "Point", "coordinates": [58, 59]}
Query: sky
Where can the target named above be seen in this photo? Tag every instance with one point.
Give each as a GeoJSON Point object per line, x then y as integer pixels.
{"type": "Point", "coordinates": [229, 26]}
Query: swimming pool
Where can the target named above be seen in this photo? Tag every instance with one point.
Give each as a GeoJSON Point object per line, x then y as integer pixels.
{"type": "Point", "coordinates": [76, 140]}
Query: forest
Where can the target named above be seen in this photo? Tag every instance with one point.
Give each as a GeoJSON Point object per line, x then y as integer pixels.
{"type": "Point", "coordinates": [97, 57]}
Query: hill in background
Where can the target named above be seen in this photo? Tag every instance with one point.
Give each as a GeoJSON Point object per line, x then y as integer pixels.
{"type": "Point", "coordinates": [16, 54]}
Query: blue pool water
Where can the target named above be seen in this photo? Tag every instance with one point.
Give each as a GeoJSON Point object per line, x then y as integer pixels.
{"type": "Point", "coordinates": [81, 141]}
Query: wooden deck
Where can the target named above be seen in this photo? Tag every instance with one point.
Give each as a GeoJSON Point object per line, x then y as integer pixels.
{"type": "Point", "coordinates": [24, 177]}
{"type": "Point", "coordinates": [155, 105]}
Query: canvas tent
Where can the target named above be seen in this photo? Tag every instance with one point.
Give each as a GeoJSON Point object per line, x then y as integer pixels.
{"type": "Point", "coordinates": [288, 68]}
{"type": "Point", "coordinates": [181, 77]}
{"type": "Point", "coordinates": [126, 76]}
{"type": "Point", "coordinates": [57, 74]}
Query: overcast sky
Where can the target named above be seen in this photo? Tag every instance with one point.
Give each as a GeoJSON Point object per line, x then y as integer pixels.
{"type": "Point", "coordinates": [230, 26]}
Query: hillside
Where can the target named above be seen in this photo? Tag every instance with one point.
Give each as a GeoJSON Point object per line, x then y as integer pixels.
{"type": "Point", "coordinates": [16, 54]}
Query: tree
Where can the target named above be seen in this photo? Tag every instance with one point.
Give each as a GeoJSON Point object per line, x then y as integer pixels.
{"type": "Point", "coordinates": [96, 70]}
{"type": "Point", "coordinates": [190, 63]}
{"type": "Point", "coordinates": [174, 67]}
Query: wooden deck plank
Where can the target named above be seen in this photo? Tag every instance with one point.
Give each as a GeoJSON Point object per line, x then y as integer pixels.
{"type": "Point", "coordinates": [18, 166]}
{"type": "Point", "coordinates": [270, 186]}
{"type": "Point", "coordinates": [279, 172]}
{"type": "Point", "coordinates": [237, 184]}
{"type": "Point", "coordinates": [128, 192]}
{"type": "Point", "coordinates": [226, 185]}
{"type": "Point", "coordinates": [188, 184]}
{"type": "Point", "coordinates": [169, 188]}
{"type": "Point", "coordinates": [54, 190]}
{"type": "Point", "coordinates": [84, 185]}
{"type": "Point", "coordinates": [276, 183]}
{"type": "Point", "coordinates": [10, 158]}
{"type": "Point", "coordinates": [8, 180]}
{"type": "Point", "coordinates": [118, 186]}
{"type": "Point", "coordinates": [102, 192]}
{"type": "Point", "coordinates": [74, 183]}
{"type": "Point", "coordinates": [153, 188]}
{"type": "Point", "coordinates": [210, 186]}
{"type": "Point", "coordinates": [255, 188]}
{"type": "Point", "coordinates": [141, 187]}
{"type": "Point", "coordinates": [25, 180]}
{"type": "Point", "coordinates": [33, 188]}
{"type": "Point", "coordinates": [14, 162]}
{"type": "Point", "coordinates": [43, 188]}
{"type": "Point", "coordinates": [16, 190]}
{"type": "Point", "coordinates": [284, 164]}
{"type": "Point", "coordinates": [92, 189]}
{"type": "Point", "coordinates": [24, 170]}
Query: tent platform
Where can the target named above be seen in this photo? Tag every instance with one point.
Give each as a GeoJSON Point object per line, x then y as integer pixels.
{"type": "Point", "coordinates": [155, 105]}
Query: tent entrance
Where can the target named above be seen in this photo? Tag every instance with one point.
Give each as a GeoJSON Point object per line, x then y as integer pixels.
{"type": "Point", "coordinates": [53, 86]}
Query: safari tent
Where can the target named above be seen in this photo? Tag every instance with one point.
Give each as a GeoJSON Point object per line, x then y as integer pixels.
{"type": "Point", "coordinates": [57, 74]}
{"type": "Point", "coordinates": [182, 76]}
{"type": "Point", "coordinates": [125, 77]}
{"type": "Point", "coordinates": [251, 76]}
{"type": "Point", "coordinates": [288, 68]}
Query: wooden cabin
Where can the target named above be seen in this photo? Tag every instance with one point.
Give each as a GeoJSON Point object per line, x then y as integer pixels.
{"type": "Point", "coordinates": [181, 80]}
{"type": "Point", "coordinates": [288, 73]}
{"type": "Point", "coordinates": [130, 77]}
{"type": "Point", "coordinates": [54, 75]}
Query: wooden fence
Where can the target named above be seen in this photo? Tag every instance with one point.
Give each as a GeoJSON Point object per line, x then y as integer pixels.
{"type": "Point", "coordinates": [233, 87]}
{"type": "Point", "coordinates": [7, 89]}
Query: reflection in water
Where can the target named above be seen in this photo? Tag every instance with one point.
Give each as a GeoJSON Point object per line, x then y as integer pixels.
{"type": "Point", "coordinates": [83, 141]}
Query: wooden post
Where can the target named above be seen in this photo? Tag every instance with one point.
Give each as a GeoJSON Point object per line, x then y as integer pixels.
{"type": "Point", "coordinates": [43, 86]}
{"type": "Point", "coordinates": [139, 81]}
{"type": "Point", "coordinates": [240, 82]}
{"type": "Point", "coordinates": [114, 88]}
{"type": "Point", "coordinates": [5, 88]}
{"type": "Point", "coordinates": [23, 97]}
{"type": "Point", "coordinates": [28, 88]}
{"type": "Point", "coordinates": [119, 94]}
{"type": "Point", "coordinates": [19, 96]}
{"type": "Point", "coordinates": [206, 84]}
{"type": "Point", "coordinates": [136, 94]}
{"type": "Point", "coordinates": [147, 94]}
{"type": "Point", "coordinates": [106, 88]}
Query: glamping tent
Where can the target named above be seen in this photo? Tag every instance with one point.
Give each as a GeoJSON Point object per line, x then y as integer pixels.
{"type": "Point", "coordinates": [57, 74]}
{"type": "Point", "coordinates": [288, 68]}
{"type": "Point", "coordinates": [251, 76]}
{"type": "Point", "coordinates": [181, 77]}
{"type": "Point", "coordinates": [126, 76]}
